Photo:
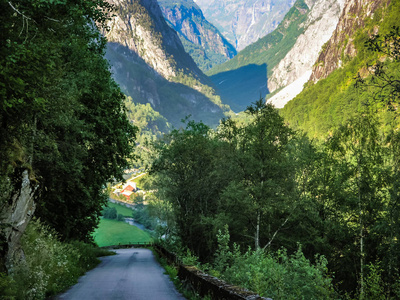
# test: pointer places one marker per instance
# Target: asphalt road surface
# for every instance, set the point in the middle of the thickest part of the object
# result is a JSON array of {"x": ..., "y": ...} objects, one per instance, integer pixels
[{"x": 131, "y": 274}]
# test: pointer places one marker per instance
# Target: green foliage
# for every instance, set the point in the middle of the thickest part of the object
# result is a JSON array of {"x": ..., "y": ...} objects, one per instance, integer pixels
[
  {"x": 189, "y": 259},
  {"x": 151, "y": 126},
  {"x": 110, "y": 213},
  {"x": 374, "y": 286},
  {"x": 142, "y": 215},
  {"x": 276, "y": 275},
  {"x": 264, "y": 182},
  {"x": 276, "y": 189},
  {"x": 61, "y": 109},
  {"x": 7, "y": 287},
  {"x": 49, "y": 266},
  {"x": 388, "y": 86},
  {"x": 240, "y": 176}
]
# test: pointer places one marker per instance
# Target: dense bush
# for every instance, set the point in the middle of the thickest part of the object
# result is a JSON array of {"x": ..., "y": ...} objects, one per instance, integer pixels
[
  {"x": 111, "y": 213},
  {"x": 273, "y": 274},
  {"x": 49, "y": 266}
]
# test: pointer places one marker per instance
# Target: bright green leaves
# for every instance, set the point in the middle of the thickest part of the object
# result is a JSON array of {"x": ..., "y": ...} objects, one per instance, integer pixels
[{"x": 236, "y": 175}]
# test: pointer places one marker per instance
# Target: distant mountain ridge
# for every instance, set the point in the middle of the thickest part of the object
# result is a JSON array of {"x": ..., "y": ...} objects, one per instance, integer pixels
[
  {"x": 201, "y": 39},
  {"x": 140, "y": 26},
  {"x": 150, "y": 64},
  {"x": 243, "y": 22},
  {"x": 288, "y": 54}
]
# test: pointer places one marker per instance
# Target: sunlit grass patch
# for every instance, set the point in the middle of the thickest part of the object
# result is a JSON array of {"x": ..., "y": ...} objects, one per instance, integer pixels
[{"x": 111, "y": 232}]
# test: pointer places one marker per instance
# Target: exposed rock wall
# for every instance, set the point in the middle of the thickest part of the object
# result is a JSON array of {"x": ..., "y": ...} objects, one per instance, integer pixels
[
  {"x": 15, "y": 214},
  {"x": 140, "y": 26},
  {"x": 150, "y": 64},
  {"x": 188, "y": 20},
  {"x": 321, "y": 22},
  {"x": 341, "y": 43}
]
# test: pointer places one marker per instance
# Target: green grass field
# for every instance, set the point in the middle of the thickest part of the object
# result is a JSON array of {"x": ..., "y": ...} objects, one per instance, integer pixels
[
  {"x": 121, "y": 209},
  {"x": 112, "y": 232}
]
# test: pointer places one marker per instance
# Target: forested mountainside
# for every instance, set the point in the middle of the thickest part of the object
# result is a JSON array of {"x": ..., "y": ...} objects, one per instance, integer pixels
[
  {"x": 243, "y": 22},
  {"x": 149, "y": 62},
  {"x": 201, "y": 39},
  {"x": 335, "y": 92},
  {"x": 280, "y": 58}
]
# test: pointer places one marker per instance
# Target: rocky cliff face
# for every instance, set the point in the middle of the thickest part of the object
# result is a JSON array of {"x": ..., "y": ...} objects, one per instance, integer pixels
[
  {"x": 341, "y": 44},
  {"x": 140, "y": 26},
  {"x": 243, "y": 22},
  {"x": 15, "y": 214},
  {"x": 150, "y": 64},
  {"x": 294, "y": 69},
  {"x": 201, "y": 39}
]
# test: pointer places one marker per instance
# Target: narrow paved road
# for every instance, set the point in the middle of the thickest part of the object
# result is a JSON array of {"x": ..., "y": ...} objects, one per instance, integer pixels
[{"x": 131, "y": 274}]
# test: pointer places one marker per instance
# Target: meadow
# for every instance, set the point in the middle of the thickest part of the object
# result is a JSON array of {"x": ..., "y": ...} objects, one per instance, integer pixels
[{"x": 113, "y": 232}]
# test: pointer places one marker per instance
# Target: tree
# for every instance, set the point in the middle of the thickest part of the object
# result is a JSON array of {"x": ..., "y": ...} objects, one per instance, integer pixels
[
  {"x": 386, "y": 82},
  {"x": 186, "y": 178},
  {"x": 265, "y": 179},
  {"x": 62, "y": 108},
  {"x": 358, "y": 193}
]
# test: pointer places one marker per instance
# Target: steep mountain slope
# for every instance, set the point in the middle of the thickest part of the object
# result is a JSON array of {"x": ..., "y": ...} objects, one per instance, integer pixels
[
  {"x": 294, "y": 70},
  {"x": 341, "y": 44},
  {"x": 243, "y": 22},
  {"x": 151, "y": 65},
  {"x": 282, "y": 57},
  {"x": 201, "y": 39},
  {"x": 334, "y": 98}
]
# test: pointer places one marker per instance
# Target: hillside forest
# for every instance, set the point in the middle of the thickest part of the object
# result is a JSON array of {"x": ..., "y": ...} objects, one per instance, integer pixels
[{"x": 265, "y": 206}]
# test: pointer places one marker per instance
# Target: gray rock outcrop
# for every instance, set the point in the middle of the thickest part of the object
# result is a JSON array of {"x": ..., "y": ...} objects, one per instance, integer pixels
[
  {"x": 294, "y": 70},
  {"x": 15, "y": 213}
]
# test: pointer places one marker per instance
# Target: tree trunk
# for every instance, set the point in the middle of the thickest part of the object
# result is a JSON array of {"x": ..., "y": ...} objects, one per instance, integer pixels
[
  {"x": 257, "y": 238},
  {"x": 361, "y": 233}
]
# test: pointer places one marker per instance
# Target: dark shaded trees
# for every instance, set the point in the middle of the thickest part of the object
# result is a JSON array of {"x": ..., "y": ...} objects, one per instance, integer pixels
[{"x": 60, "y": 109}]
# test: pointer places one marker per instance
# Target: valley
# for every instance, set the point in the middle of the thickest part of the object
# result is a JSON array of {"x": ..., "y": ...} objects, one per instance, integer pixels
[{"x": 256, "y": 142}]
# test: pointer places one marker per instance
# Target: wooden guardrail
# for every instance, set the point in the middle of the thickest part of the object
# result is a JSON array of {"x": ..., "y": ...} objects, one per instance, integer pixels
[{"x": 133, "y": 245}]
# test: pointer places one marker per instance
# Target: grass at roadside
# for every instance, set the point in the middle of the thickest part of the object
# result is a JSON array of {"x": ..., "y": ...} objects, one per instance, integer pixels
[
  {"x": 49, "y": 266},
  {"x": 172, "y": 272},
  {"x": 112, "y": 232}
]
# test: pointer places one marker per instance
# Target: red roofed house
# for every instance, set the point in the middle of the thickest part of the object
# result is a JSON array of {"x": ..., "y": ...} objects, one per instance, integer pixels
[{"x": 128, "y": 189}]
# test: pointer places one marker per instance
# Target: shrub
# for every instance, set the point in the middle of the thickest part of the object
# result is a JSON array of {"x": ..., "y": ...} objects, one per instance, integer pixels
[
  {"x": 110, "y": 213},
  {"x": 275, "y": 275},
  {"x": 50, "y": 266},
  {"x": 7, "y": 287}
]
